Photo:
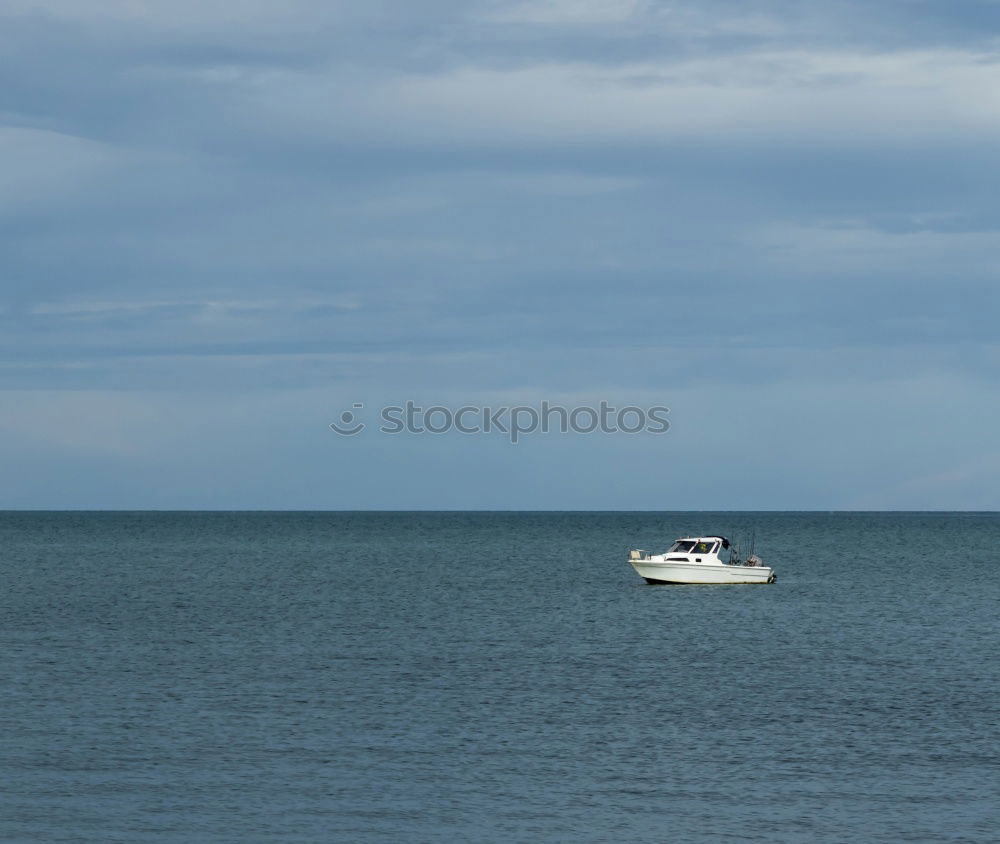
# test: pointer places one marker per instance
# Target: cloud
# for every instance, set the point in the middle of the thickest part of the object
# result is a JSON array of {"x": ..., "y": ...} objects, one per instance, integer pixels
[
  {"x": 38, "y": 166},
  {"x": 566, "y": 11},
  {"x": 776, "y": 206},
  {"x": 187, "y": 14},
  {"x": 804, "y": 442},
  {"x": 829, "y": 98},
  {"x": 852, "y": 249}
]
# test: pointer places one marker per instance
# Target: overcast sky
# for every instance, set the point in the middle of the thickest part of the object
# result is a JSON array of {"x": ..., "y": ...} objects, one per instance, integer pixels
[{"x": 222, "y": 223}]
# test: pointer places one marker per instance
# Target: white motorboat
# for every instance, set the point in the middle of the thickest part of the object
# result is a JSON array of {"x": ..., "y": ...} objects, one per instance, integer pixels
[{"x": 701, "y": 559}]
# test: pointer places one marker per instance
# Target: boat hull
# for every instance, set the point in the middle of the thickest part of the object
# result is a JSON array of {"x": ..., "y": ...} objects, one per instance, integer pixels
[{"x": 678, "y": 572}]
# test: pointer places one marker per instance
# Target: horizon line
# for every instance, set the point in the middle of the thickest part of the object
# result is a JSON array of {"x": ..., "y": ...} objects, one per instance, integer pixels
[{"x": 429, "y": 510}]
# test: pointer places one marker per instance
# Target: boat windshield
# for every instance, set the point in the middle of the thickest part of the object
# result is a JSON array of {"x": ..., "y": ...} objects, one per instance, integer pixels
[
  {"x": 704, "y": 547},
  {"x": 682, "y": 546}
]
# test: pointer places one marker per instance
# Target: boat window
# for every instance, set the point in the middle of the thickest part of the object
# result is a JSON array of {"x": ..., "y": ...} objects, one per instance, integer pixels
[
  {"x": 703, "y": 547},
  {"x": 681, "y": 547}
]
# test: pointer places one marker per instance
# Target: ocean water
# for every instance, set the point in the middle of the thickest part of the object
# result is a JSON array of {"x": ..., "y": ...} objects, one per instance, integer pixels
[{"x": 495, "y": 677}]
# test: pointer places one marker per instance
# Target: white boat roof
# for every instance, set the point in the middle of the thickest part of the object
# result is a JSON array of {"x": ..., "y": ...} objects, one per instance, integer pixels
[{"x": 714, "y": 538}]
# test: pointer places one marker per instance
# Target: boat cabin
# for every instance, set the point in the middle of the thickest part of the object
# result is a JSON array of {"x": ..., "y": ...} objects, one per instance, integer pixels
[{"x": 697, "y": 546}]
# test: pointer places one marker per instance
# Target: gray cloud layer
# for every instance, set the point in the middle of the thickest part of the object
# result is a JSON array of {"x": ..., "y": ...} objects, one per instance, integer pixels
[{"x": 494, "y": 196}]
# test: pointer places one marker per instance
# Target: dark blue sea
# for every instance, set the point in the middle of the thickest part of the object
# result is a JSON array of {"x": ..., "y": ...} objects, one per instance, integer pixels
[{"x": 435, "y": 677}]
